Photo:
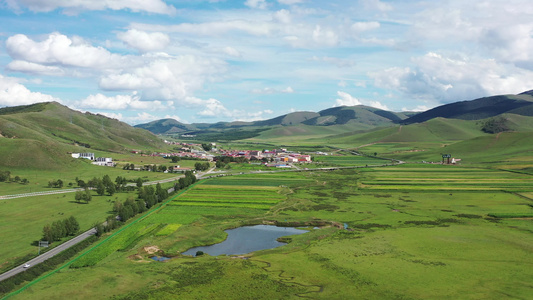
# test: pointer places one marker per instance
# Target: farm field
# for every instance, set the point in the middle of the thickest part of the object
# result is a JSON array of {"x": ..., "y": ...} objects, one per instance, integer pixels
[{"x": 408, "y": 237}]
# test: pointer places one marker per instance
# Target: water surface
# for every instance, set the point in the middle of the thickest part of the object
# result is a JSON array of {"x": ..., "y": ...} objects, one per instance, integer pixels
[{"x": 248, "y": 239}]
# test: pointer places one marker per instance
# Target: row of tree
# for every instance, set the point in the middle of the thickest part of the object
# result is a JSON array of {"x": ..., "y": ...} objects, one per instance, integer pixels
[
  {"x": 201, "y": 166},
  {"x": 5, "y": 176},
  {"x": 60, "y": 229},
  {"x": 55, "y": 183}
]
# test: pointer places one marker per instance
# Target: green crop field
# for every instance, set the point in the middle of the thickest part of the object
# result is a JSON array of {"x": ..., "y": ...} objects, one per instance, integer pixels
[{"x": 401, "y": 232}]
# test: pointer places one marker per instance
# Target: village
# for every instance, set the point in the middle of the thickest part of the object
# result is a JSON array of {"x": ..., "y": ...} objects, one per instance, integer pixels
[{"x": 279, "y": 158}]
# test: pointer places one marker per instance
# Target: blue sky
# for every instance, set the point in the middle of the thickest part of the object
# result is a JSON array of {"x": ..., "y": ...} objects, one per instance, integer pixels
[{"x": 216, "y": 60}]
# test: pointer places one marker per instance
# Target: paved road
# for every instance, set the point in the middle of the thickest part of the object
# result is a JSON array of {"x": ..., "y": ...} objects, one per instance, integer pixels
[{"x": 49, "y": 254}]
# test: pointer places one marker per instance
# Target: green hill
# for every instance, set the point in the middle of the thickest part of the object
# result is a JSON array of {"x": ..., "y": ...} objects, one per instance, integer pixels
[
  {"x": 521, "y": 104},
  {"x": 41, "y": 134},
  {"x": 167, "y": 126}
]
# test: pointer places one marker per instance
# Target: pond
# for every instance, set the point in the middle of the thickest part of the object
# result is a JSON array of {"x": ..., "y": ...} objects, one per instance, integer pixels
[{"x": 248, "y": 239}]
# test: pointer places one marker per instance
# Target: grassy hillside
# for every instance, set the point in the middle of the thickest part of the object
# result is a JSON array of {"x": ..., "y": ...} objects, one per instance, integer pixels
[
  {"x": 482, "y": 108},
  {"x": 39, "y": 135},
  {"x": 168, "y": 126}
]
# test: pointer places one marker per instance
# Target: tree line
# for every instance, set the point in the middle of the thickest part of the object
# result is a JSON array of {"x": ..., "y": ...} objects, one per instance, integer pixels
[
  {"x": 60, "y": 229},
  {"x": 5, "y": 176}
]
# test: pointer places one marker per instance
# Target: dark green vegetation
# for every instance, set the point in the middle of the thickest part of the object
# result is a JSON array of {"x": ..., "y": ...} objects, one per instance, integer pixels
[
  {"x": 483, "y": 108},
  {"x": 413, "y": 232}
]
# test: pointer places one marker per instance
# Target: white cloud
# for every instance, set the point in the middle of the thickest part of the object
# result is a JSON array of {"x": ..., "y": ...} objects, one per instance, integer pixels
[
  {"x": 144, "y": 41},
  {"x": 326, "y": 37},
  {"x": 269, "y": 91},
  {"x": 348, "y": 100},
  {"x": 121, "y": 102},
  {"x": 377, "y": 5},
  {"x": 418, "y": 108},
  {"x": 74, "y": 6},
  {"x": 260, "y": 4},
  {"x": 256, "y": 28},
  {"x": 169, "y": 79},
  {"x": 33, "y": 68},
  {"x": 282, "y": 16},
  {"x": 12, "y": 93},
  {"x": 214, "y": 108},
  {"x": 359, "y": 27},
  {"x": 61, "y": 50},
  {"x": 290, "y": 2},
  {"x": 449, "y": 79},
  {"x": 231, "y": 51}
]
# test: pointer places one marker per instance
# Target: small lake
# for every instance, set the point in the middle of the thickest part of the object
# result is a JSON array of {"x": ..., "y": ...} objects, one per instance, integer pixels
[{"x": 248, "y": 239}]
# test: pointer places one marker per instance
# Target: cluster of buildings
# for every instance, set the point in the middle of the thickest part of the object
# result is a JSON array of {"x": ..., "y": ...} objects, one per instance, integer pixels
[
  {"x": 276, "y": 155},
  {"x": 100, "y": 161}
]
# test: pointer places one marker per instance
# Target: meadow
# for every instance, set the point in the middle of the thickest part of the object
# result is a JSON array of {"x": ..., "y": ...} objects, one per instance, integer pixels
[
  {"x": 413, "y": 232},
  {"x": 38, "y": 179}
]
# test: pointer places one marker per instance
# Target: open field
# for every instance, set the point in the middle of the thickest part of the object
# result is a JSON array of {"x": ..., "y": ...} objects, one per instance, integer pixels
[
  {"x": 38, "y": 179},
  {"x": 408, "y": 237}
]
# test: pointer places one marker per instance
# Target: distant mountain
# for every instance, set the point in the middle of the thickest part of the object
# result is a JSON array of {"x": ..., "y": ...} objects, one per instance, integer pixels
[
  {"x": 521, "y": 104},
  {"x": 167, "y": 126},
  {"x": 47, "y": 131},
  {"x": 362, "y": 117}
]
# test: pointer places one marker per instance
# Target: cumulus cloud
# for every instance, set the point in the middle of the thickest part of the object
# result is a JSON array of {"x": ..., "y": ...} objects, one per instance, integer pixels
[
  {"x": 260, "y": 4},
  {"x": 12, "y": 93},
  {"x": 447, "y": 79},
  {"x": 231, "y": 51},
  {"x": 174, "y": 78},
  {"x": 121, "y": 102},
  {"x": 33, "y": 68},
  {"x": 348, "y": 100},
  {"x": 359, "y": 27},
  {"x": 256, "y": 28},
  {"x": 282, "y": 16},
  {"x": 60, "y": 50},
  {"x": 144, "y": 41},
  {"x": 75, "y": 6}
]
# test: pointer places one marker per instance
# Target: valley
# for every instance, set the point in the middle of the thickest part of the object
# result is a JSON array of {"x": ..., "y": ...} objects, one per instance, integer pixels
[{"x": 386, "y": 219}]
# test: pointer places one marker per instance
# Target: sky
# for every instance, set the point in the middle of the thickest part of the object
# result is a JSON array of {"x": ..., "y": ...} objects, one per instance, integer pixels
[{"x": 223, "y": 60}]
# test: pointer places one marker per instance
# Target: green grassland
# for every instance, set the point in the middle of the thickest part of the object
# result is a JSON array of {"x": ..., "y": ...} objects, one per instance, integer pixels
[
  {"x": 414, "y": 232},
  {"x": 82, "y": 169}
]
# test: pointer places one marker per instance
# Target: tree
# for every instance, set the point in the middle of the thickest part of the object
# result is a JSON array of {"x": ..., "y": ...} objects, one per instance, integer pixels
[
  {"x": 496, "y": 125},
  {"x": 79, "y": 196},
  {"x": 25, "y": 181},
  {"x": 5, "y": 176},
  {"x": 111, "y": 189},
  {"x": 100, "y": 189},
  {"x": 47, "y": 234},
  {"x": 207, "y": 146},
  {"x": 139, "y": 182},
  {"x": 87, "y": 196},
  {"x": 175, "y": 159},
  {"x": 58, "y": 230},
  {"x": 71, "y": 226},
  {"x": 117, "y": 206}
]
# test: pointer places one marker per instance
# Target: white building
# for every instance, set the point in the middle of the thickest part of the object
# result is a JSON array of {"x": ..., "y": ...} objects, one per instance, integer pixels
[{"x": 84, "y": 155}]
